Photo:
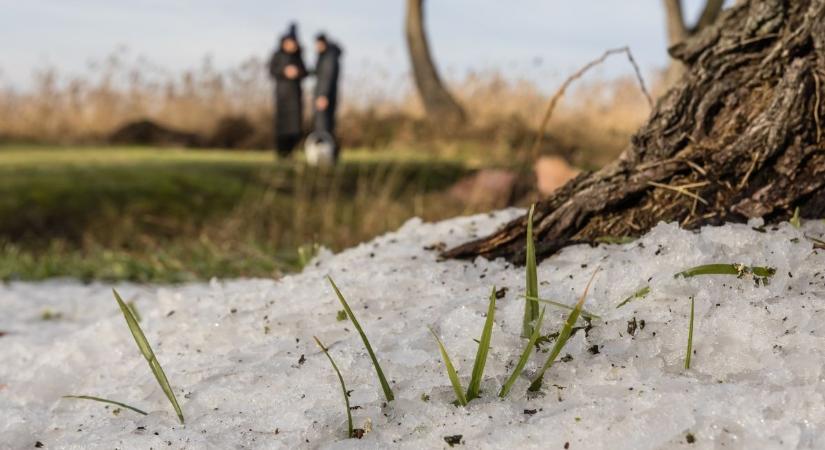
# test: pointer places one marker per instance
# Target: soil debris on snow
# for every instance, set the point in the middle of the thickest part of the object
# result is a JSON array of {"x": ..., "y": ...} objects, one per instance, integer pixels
[{"x": 754, "y": 381}]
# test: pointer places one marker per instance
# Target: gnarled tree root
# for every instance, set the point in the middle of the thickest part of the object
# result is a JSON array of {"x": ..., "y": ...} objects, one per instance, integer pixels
[{"x": 740, "y": 136}]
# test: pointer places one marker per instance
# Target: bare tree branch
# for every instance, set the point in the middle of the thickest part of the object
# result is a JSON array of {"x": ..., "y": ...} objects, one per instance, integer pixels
[
  {"x": 677, "y": 30},
  {"x": 709, "y": 14},
  {"x": 551, "y": 106}
]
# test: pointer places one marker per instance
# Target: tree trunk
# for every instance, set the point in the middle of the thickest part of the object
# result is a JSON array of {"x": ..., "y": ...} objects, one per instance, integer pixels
[
  {"x": 439, "y": 104},
  {"x": 740, "y": 136},
  {"x": 678, "y": 30}
]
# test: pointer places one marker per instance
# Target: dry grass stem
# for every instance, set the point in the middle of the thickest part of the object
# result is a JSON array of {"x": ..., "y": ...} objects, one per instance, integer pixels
[{"x": 551, "y": 106}]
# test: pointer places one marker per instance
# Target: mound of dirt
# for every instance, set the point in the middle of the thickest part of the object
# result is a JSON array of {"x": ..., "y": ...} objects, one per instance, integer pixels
[
  {"x": 149, "y": 132},
  {"x": 233, "y": 132}
]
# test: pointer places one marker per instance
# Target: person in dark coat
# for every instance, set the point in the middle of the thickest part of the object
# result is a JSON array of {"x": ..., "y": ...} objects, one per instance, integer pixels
[
  {"x": 325, "y": 96},
  {"x": 287, "y": 69}
]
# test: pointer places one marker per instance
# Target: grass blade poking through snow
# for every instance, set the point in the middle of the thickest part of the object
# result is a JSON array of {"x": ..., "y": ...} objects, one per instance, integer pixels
[
  {"x": 586, "y": 314},
  {"x": 564, "y": 336},
  {"x": 451, "y": 373},
  {"x": 147, "y": 352},
  {"x": 343, "y": 386},
  {"x": 641, "y": 293},
  {"x": 483, "y": 349},
  {"x": 614, "y": 240},
  {"x": 383, "y": 380},
  {"x": 531, "y": 308},
  {"x": 795, "y": 221},
  {"x": 525, "y": 356},
  {"x": 133, "y": 307},
  {"x": 690, "y": 337},
  {"x": 103, "y": 400},
  {"x": 727, "y": 269}
]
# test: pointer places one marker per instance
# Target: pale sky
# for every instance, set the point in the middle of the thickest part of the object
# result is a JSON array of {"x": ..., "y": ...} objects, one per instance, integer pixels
[{"x": 540, "y": 40}]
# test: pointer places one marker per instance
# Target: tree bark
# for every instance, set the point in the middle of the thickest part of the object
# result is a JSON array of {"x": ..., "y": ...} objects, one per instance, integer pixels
[
  {"x": 678, "y": 30},
  {"x": 740, "y": 136},
  {"x": 439, "y": 104}
]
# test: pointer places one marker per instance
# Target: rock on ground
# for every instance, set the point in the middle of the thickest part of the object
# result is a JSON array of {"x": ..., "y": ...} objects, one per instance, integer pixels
[
  {"x": 552, "y": 172},
  {"x": 243, "y": 364},
  {"x": 487, "y": 188}
]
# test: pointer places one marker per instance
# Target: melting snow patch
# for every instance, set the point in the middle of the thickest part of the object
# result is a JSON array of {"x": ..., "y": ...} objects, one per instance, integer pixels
[{"x": 241, "y": 359}]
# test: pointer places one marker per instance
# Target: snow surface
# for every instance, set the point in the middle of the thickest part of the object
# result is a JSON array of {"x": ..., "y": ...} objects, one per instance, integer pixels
[{"x": 242, "y": 361}]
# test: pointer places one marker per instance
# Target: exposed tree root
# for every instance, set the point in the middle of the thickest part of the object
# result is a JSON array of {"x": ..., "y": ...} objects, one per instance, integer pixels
[{"x": 740, "y": 136}]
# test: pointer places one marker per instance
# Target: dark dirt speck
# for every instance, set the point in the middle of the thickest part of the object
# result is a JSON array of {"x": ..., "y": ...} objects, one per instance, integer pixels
[
  {"x": 593, "y": 349},
  {"x": 453, "y": 440},
  {"x": 631, "y": 327}
]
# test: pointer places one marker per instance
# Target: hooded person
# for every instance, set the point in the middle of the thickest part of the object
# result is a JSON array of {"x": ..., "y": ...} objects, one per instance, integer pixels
[
  {"x": 325, "y": 96},
  {"x": 287, "y": 68}
]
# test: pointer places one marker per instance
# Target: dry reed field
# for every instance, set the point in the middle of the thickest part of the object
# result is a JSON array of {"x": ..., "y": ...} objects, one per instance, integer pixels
[{"x": 589, "y": 127}]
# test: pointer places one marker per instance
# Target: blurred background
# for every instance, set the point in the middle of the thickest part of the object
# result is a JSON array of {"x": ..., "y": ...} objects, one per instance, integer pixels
[{"x": 136, "y": 137}]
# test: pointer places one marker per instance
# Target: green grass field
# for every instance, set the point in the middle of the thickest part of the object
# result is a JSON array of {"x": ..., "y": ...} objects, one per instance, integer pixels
[{"x": 167, "y": 215}]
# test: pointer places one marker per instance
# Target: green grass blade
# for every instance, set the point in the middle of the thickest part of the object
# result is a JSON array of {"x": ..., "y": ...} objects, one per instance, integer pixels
[
  {"x": 641, "y": 293},
  {"x": 133, "y": 307},
  {"x": 585, "y": 313},
  {"x": 762, "y": 271},
  {"x": 383, "y": 380},
  {"x": 103, "y": 400},
  {"x": 727, "y": 269},
  {"x": 483, "y": 349},
  {"x": 690, "y": 336},
  {"x": 564, "y": 336},
  {"x": 146, "y": 350},
  {"x": 305, "y": 254},
  {"x": 451, "y": 373},
  {"x": 531, "y": 309},
  {"x": 795, "y": 220},
  {"x": 525, "y": 356},
  {"x": 343, "y": 386},
  {"x": 710, "y": 269}
]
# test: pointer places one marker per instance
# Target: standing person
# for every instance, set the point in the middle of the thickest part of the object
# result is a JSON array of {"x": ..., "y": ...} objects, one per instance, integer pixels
[
  {"x": 325, "y": 98},
  {"x": 287, "y": 69}
]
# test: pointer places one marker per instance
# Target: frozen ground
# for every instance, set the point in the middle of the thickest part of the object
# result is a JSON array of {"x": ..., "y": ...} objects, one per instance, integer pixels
[{"x": 248, "y": 375}]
